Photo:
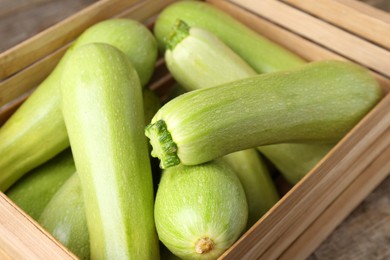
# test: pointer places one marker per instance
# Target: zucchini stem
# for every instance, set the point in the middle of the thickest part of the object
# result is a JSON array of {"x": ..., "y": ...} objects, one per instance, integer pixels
[
  {"x": 179, "y": 32},
  {"x": 204, "y": 245},
  {"x": 163, "y": 145}
]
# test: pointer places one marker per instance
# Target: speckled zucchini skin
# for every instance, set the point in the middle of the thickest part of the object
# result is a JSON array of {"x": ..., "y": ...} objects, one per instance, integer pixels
[
  {"x": 319, "y": 102},
  {"x": 201, "y": 210},
  {"x": 103, "y": 111},
  {"x": 36, "y": 131}
]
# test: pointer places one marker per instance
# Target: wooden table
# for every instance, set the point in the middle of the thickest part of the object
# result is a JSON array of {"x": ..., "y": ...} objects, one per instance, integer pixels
[{"x": 365, "y": 234}]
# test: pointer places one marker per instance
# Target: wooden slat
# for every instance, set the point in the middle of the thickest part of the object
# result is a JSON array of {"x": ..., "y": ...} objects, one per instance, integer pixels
[
  {"x": 320, "y": 206},
  {"x": 56, "y": 36},
  {"x": 322, "y": 33},
  {"x": 319, "y": 230},
  {"x": 346, "y": 16},
  {"x": 146, "y": 10},
  {"x": 22, "y": 238},
  {"x": 304, "y": 48}
]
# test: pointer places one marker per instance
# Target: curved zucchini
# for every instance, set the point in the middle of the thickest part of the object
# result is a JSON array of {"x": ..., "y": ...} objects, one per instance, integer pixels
[
  {"x": 259, "y": 52},
  {"x": 32, "y": 192},
  {"x": 102, "y": 108},
  {"x": 200, "y": 210},
  {"x": 197, "y": 59},
  {"x": 64, "y": 218},
  {"x": 36, "y": 131},
  {"x": 318, "y": 102}
]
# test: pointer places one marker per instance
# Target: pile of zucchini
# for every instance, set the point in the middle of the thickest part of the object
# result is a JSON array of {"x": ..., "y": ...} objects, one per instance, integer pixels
[{"x": 78, "y": 154}]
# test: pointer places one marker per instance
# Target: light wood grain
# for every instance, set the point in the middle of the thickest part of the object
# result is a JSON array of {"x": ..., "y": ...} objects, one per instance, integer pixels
[
  {"x": 37, "y": 47},
  {"x": 346, "y": 16},
  {"x": 322, "y": 33},
  {"x": 359, "y": 189},
  {"x": 21, "y": 237}
]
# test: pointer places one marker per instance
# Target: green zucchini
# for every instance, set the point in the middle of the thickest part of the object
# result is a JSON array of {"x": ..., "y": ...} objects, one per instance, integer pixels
[
  {"x": 294, "y": 161},
  {"x": 260, "y": 191},
  {"x": 197, "y": 59},
  {"x": 102, "y": 108},
  {"x": 36, "y": 131},
  {"x": 32, "y": 192},
  {"x": 64, "y": 218},
  {"x": 200, "y": 210},
  {"x": 259, "y": 52},
  {"x": 319, "y": 102},
  {"x": 151, "y": 104}
]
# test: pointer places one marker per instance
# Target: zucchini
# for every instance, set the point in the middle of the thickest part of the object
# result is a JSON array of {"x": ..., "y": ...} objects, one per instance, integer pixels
[
  {"x": 259, "y": 52},
  {"x": 294, "y": 161},
  {"x": 33, "y": 192},
  {"x": 36, "y": 131},
  {"x": 151, "y": 104},
  {"x": 64, "y": 218},
  {"x": 197, "y": 59},
  {"x": 260, "y": 191},
  {"x": 64, "y": 215},
  {"x": 200, "y": 210},
  {"x": 318, "y": 102},
  {"x": 102, "y": 108}
]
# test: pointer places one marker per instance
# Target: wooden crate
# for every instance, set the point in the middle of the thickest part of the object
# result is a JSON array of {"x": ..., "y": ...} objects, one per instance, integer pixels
[{"x": 309, "y": 212}]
